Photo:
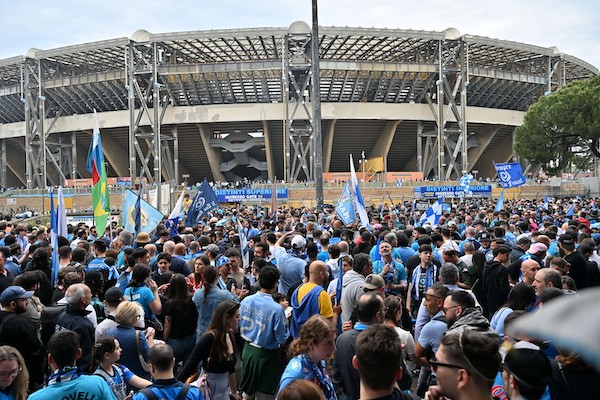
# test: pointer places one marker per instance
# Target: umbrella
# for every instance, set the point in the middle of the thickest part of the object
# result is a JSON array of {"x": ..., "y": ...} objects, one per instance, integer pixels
[{"x": 570, "y": 322}]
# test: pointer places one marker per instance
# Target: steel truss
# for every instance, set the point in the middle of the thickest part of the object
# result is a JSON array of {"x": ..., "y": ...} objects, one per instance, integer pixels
[
  {"x": 148, "y": 99},
  {"x": 42, "y": 111},
  {"x": 299, "y": 121},
  {"x": 443, "y": 152}
]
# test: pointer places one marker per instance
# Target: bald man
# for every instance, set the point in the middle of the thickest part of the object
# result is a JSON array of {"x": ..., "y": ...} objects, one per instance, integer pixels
[
  {"x": 178, "y": 264},
  {"x": 310, "y": 298},
  {"x": 528, "y": 270}
]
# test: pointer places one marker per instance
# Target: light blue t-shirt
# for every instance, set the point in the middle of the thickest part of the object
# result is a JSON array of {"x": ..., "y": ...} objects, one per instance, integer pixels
[
  {"x": 142, "y": 295},
  {"x": 84, "y": 387},
  {"x": 263, "y": 322},
  {"x": 432, "y": 333}
]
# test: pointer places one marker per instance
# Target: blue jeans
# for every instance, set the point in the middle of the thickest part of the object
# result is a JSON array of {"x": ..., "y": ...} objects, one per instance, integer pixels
[{"x": 182, "y": 348}]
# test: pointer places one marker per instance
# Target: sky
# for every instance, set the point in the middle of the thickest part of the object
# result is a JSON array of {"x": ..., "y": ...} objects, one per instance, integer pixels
[{"x": 570, "y": 25}]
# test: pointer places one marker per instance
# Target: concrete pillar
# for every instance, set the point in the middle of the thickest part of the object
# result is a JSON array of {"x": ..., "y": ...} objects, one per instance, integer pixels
[
  {"x": 385, "y": 139},
  {"x": 214, "y": 157},
  {"x": 269, "y": 151},
  {"x": 328, "y": 145}
]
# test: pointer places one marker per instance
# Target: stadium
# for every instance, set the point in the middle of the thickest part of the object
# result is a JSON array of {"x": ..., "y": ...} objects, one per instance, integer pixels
[{"x": 229, "y": 104}]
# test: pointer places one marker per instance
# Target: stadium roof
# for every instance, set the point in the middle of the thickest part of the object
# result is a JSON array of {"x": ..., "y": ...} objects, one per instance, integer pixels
[{"x": 239, "y": 66}]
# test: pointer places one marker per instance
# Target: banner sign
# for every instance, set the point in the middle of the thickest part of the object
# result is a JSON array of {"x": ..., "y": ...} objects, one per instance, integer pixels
[
  {"x": 434, "y": 192},
  {"x": 242, "y": 195},
  {"x": 510, "y": 175}
]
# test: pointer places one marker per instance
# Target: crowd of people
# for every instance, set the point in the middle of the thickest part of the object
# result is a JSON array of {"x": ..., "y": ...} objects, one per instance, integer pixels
[{"x": 296, "y": 305}]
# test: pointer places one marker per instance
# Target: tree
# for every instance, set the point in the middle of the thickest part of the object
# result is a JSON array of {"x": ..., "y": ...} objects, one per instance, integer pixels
[{"x": 562, "y": 128}]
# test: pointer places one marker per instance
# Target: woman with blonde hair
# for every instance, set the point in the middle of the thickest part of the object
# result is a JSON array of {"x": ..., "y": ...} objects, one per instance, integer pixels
[
  {"x": 310, "y": 353},
  {"x": 14, "y": 377},
  {"x": 135, "y": 344}
]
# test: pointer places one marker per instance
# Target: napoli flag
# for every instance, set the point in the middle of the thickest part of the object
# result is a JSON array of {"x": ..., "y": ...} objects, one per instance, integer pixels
[
  {"x": 345, "y": 206},
  {"x": 205, "y": 201},
  {"x": 433, "y": 214},
  {"x": 510, "y": 175}
]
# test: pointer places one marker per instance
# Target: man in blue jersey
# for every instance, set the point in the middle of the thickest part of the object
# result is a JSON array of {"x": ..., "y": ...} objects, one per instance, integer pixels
[
  {"x": 161, "y": 362},
  {"x": 290, "y": 263},
  {"x": 98, "y": 264},
  {"x": 263, "y": 326},
  {"x": 67, "y": 381}
]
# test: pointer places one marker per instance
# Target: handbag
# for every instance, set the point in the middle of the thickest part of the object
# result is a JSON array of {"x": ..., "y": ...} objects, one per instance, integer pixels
[
  {"x": 199, "y": 379},
  {"x": 143, "y": 362}
]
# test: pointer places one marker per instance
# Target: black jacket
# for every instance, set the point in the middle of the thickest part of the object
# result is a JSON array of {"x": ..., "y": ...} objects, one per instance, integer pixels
[
  {"x": 75, "y": 320},
  {"x": 495, "y": 285},
  {"x": 20, "y": 333}
]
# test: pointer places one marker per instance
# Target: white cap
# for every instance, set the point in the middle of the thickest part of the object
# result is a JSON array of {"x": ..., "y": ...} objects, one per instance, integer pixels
[{"x": 298, "y": 242}]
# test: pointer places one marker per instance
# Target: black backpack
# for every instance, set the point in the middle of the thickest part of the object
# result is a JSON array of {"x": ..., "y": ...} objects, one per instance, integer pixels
[{"x": 48, "y": 320}]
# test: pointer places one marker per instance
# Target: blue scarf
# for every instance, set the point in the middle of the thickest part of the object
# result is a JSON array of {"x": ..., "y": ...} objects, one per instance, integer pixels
[
  {"x": 430, "y": 278},
  {"x": 320, "y": 372},
  {"x": 298, "y": 254},
  {"x": 64, "y": 375}
]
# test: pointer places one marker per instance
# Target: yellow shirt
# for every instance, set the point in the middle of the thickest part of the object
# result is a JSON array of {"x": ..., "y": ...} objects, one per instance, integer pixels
[{"x": 325, "y": 306}]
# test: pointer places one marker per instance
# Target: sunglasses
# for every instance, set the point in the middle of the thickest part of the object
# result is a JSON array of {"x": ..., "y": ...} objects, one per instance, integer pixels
[{"x": 436, "y": 364}]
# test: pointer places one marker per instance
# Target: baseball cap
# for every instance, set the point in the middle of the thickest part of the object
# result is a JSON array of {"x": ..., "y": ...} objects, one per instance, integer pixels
[
  {"x": 537, "y": 248},
  {"x": 13, "y": 293},
  {"x": 113, "y": 295},
  {"x": 213, "y": 248},
  {"x": 298, "y": 242},
  {"x": 528, "y": 365},
  {"x": 373, "y": 281},
  {"x": 567, "y": 240}
]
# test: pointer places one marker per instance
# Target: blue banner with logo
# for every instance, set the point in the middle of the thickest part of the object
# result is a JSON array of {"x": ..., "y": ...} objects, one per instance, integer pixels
[
  {"x": 345, "y": 206},
  {"x": 510, "y": 175},
  {"x": 204, "y": 202},
  {"x": 434, "y": 192},
  {"x": 242, "y": 195}
]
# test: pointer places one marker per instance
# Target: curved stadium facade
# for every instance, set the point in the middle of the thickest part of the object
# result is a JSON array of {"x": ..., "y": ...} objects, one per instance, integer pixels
[{"x": 226, "y": 104}]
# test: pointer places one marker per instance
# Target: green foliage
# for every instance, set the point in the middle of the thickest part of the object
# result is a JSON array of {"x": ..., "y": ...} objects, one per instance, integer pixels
[{"x": 560, "y": 128}]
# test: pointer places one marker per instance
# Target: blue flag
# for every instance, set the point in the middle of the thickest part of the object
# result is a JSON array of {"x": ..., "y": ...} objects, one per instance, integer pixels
[
  {"x": 205, "y": 201},
  {"x": 377, "y": 255},
  {"x": 510, "y": 175},
  {"x": 148, "y": 217},
  {"x": 546, "y": 203},
  {"x": 345, "y": 206},
  {"x": 571, "y": 211},
  {"x": 340, "y": 283},
  {"x": 359, "y": 203},
  {"x": 433, "y": 214},
  {"x": 500, "y": 203},
  {"x": 137, "y": 212},
  {"x": 53, "y": 239},
  {"x": 175, "y": 216}
]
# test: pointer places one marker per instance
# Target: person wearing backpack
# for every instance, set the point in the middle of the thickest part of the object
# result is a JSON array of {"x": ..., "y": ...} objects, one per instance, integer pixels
[
  {"x": 107, "y": 352},
  {"x": 161, "y": 361}
]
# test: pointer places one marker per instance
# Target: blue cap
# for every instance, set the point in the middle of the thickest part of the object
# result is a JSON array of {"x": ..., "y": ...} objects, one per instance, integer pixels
[{"x": 13, "y": 293}]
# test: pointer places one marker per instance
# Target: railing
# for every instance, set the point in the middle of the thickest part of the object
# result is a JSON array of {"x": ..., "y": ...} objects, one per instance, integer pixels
[{"x": 86, "y": 190}]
